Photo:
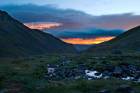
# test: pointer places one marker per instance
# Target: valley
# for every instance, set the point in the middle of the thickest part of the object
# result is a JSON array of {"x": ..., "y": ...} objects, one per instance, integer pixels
[
  {"x": 67, "y": 73},
  {"x": 54, "y": 50}
]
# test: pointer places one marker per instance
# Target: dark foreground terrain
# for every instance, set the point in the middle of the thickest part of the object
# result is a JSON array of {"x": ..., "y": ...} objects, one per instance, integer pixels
[{"x": 71, "y": 74}]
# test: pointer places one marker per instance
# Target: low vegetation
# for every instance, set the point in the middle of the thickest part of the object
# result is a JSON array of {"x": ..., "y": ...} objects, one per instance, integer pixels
[{"x": 26, "y": 75}]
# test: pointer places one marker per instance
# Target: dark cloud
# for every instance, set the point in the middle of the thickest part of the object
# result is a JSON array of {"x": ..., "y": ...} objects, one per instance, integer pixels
[
  {"x": 47, "y": 13},
  {"x": 76, "y": 24},
  {"x": 122, "y": 21},
  {"x": 71, "y": 18}
]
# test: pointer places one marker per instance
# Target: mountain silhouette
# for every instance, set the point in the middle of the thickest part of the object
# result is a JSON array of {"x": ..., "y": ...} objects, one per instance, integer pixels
[
  {"x": 129, "y": 41},
  {"x": 18, "y": 40}
]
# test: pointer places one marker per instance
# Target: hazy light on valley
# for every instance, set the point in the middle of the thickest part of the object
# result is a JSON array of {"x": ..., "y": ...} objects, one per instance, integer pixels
[{"x": 87, "y": 41}]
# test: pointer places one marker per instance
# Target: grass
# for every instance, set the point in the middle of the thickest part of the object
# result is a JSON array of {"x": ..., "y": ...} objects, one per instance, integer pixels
[{"x": 28, "y": 74}]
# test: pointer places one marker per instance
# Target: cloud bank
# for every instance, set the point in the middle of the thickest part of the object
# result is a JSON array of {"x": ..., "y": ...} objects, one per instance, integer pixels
[
  {"x": 71, "y": 18},
  {"x": 77, "y": 26}
]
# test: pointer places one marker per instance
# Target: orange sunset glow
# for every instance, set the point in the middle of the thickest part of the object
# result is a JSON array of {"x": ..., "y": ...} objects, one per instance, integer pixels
[
  {"x": 42, "y": 25},
  {"x": 87, "y": 41}
]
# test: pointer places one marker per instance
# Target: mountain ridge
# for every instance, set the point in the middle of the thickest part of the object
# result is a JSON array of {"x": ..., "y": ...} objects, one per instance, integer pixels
[
  {"x": 18, "y": 40},
  {"x": 129, "y": 41}
]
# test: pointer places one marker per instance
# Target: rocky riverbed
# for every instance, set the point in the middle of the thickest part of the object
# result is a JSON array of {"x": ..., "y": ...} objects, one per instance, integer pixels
[
  {"x": 62, "y": 71},
  {"x": 71, "y": 74}
]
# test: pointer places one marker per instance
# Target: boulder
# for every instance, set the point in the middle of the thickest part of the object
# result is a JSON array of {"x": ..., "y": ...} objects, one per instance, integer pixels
[{"x": 117, "y": 71}]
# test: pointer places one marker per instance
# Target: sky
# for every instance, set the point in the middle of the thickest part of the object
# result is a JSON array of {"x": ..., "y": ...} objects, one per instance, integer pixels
[
  {"x": 94, "y": 7},
  {"x": 76, "y": 21}
]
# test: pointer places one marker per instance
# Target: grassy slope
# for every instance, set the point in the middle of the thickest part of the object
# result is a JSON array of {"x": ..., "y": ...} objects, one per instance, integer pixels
[
  {"x": 25, "y": 75},
  {"x": 127, "y": 42},
  {"x": 18, "y": 40}
]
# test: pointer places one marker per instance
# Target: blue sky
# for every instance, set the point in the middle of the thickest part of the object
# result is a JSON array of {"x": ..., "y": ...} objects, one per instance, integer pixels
[{"x": 94, "y": 7}]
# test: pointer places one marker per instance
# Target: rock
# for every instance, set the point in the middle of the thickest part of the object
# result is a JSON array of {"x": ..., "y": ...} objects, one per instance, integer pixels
[
  {"x": 104, "y": 91},
  {"x": 107, "y": 73},
  {"x": 77, "y": 77},
  {"x": 124, "y": 68},
  {"x": 82, "y": 67},
  {"x": 125, "y": 89},
  {"x": 93, "y": 74},
  {"x": 128, "y": 78},
  {"x": 117, "y": 71},
  {"x": 51, "y": 70},
  {"x": 132, "y": 68},
  {"x": 137, "y": 77}
]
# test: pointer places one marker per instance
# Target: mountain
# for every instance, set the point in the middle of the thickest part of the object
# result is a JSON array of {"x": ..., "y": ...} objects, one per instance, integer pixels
[
  {"x": 84, "y": 32},
  {"x": 126, "y": 42},
  {"x": 18, "y": 40}
]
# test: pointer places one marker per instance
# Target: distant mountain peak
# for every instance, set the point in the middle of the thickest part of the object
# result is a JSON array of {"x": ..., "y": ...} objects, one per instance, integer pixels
[
  {"x": 3, "y": 15},
  {"x": 3, "y": 12}
]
